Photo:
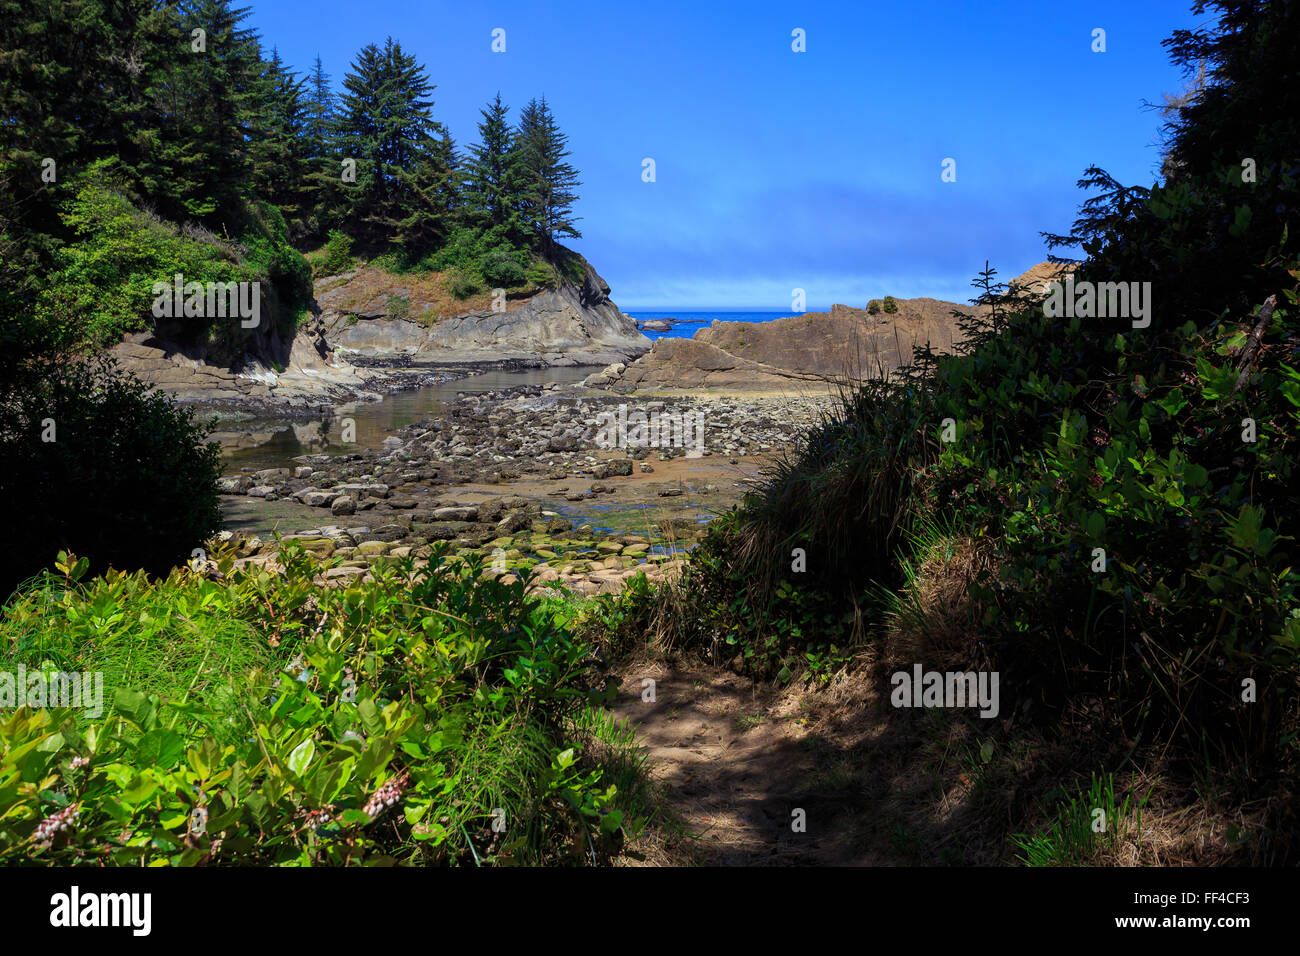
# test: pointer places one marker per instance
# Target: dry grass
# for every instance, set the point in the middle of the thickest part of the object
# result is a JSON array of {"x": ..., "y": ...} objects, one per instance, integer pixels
[
  {"x": 936, "y": 621},
  {"x": 428, "y": 293}
]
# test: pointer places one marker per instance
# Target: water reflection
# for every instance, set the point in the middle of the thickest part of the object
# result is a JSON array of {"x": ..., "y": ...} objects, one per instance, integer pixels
[{"x": 271, "y": 442}]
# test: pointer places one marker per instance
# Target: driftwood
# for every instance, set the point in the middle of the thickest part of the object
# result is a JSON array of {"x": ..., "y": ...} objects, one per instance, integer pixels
[{"x": 1251, "y": 347}]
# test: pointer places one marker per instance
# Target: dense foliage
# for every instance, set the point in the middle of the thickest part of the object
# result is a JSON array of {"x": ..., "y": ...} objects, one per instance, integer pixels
[
  {"x": 95, "y": 461},
  {"x": 430, "y": 716}
]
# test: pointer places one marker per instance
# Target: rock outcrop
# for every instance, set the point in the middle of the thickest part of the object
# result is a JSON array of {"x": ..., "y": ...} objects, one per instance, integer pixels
[
  {"x": 844, "y": 343},
  {"x": 372, "y": 317},
  {"x": 816, "y": 346},
  {"x": 362, "y": 321},
  {"x": 300, "y": 372}
]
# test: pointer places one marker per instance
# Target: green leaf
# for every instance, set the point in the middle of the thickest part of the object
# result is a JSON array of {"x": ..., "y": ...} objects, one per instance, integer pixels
[
  {"x": 161, "y": 748},
  {"x": 371, "y": 719},
  {"x": 301, "y": 756},
  {"x": 130, "y": 703}
]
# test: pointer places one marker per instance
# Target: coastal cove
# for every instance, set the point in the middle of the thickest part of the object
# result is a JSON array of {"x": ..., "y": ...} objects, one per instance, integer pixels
[
  {"x": 359, "y": 519},
  {"x": 516, "y": 473}
]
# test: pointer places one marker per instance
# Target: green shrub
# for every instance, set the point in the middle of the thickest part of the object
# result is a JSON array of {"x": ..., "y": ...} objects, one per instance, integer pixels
[
  {"x": 338, "y": 254},
  {"x": 398, "y": 721},
  {"x": 462, "y": 286},
  {"x": 501, "y": 268},
  {"x": 873, "y": 307},
  {"x": 124, "y": 478},
  {"x": 462, "y": 250},
  {"x": 101, "y": 283},
  {"x": 890, "y": 305}
]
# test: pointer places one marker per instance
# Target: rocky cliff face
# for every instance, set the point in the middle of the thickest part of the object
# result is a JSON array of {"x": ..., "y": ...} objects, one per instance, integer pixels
[
  {"x": 361, "y": 321},
  {"x": 571, "y": 325},
  {"x": 300, "y": 371}
]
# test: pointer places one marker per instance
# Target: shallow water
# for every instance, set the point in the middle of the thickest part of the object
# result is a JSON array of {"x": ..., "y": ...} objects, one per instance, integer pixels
[{"x": 273, "y": 443}]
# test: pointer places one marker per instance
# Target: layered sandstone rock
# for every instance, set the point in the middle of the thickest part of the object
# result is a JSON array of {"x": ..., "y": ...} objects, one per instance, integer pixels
[
  {"x": 575, "y": 324},
  {"x": 844, "y": 343}
]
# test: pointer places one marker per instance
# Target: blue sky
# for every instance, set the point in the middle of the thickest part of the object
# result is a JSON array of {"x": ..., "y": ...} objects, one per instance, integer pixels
[{"x": 778, "y": 170}]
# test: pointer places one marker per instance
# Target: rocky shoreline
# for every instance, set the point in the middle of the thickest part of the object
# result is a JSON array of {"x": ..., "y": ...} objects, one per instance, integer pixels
[{"x": 493, "y": 476}]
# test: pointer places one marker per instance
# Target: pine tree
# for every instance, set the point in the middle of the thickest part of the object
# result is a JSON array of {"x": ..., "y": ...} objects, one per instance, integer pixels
[
  {"x": 549, "y": 184},
  {"x": 493, "y": 183},
  {"x": 386, "y": 125},
  {"x": 281, "y": 142}
]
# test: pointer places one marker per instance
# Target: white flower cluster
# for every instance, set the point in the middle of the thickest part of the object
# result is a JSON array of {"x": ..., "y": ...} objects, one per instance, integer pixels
[{"x": 55, "y": 823}]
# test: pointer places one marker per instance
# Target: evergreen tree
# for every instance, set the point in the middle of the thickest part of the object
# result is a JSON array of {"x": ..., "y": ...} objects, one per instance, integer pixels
[
  {"x": 431, "y": 196},
  {"x": 74, "y": 81},
  {"x": 549, "y": 184},
  {"x": 209, "y": 100},
  {"x": 493, "y": 183},
  {"x": 386, "y": 125},
  {"x": 320, "y": 111},
  {"x": 324, "y": 187},
  {"x": 280, "y": 147}
]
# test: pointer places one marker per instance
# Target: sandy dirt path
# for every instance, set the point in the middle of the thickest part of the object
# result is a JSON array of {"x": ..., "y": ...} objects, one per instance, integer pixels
[{"x": 739, "y": 764}]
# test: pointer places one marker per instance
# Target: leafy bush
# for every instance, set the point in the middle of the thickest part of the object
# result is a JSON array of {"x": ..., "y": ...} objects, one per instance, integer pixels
[
  {"x": 890, "y": 305},
  {"x": 101, "y": 283},
  {"x": 462, "y": 250},
  {"x": 103, "y": 280},
  {"x": 96, "y": 463},
  {"x": 402, "y": 719},
  {"x": 502, "y": 269},
  {"x": 873, "y": 307}
]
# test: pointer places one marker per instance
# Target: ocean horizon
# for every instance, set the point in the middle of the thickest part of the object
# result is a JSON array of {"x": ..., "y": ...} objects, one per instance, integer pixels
[{"x": 688, "y": 321}]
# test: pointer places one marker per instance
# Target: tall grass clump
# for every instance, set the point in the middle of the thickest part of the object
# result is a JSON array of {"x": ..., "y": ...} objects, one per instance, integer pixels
[{"x": 1088, "y": 824}]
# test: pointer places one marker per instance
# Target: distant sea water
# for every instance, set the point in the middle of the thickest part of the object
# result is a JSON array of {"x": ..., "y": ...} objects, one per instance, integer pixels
[{"x": 688, "y": 322}]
